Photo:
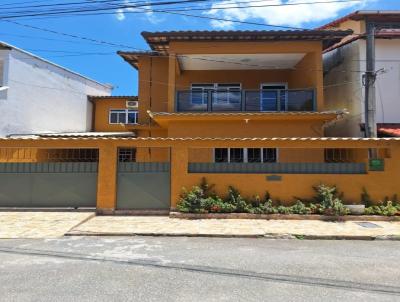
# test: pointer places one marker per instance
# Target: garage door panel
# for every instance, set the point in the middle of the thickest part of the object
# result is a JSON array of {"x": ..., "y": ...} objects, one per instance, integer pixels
[
  {"x": 144, "y": 190},
  {"x": 67, "y": 184},
  {"x": 15, "y": 190},
  {"x": 59, "y": 190}
]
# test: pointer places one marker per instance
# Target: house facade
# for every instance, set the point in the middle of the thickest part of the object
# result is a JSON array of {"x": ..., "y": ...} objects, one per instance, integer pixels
[
  {"x": 240, "y": 108},
  {"x": 345, "y": 64},
  {"x": 42, "y": 97}
]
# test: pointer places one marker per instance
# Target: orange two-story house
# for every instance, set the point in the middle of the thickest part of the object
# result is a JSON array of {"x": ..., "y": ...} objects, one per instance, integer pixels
[
  {"x": 240, "y": 108},
  {"x": 230, "y": 84}
]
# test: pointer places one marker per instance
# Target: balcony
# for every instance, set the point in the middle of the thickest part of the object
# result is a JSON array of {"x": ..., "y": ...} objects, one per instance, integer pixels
[{"x": 246, "y": 100}]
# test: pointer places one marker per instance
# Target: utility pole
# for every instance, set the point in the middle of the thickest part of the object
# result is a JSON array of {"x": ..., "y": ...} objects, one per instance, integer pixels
[{"x": 369, "y": 83}]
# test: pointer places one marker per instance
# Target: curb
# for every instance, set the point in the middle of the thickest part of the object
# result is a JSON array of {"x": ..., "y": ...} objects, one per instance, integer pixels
[
  {"x": 81, "y": 222},
  {"x": 264, "y": 236},
  {"x": 192, "y": 216}
]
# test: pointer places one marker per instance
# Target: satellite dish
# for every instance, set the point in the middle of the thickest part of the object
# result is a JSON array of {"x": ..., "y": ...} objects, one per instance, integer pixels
[{"x": 2, "y": 88}]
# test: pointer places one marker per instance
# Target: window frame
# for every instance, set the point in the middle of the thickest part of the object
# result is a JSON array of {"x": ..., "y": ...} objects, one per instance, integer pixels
[
  {"x": 214, "y": 87},
  {"x": 245, "y": 155},
  {"x": 126, "y": 112},
  {"x": 129, "y": 158},
  {"x": 264, "y": 88}
]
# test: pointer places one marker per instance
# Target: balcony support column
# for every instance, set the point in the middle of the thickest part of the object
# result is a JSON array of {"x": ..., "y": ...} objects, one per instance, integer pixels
[{"x": 172, "y": 72}]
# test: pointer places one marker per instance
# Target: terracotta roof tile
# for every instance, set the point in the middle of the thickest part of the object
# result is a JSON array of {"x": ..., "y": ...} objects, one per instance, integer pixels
[
  {"x": 208, "y": 138},
  {"x": 389, "y": 129}
]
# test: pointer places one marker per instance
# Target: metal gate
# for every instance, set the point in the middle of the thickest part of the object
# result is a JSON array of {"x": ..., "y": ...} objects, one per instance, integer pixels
[
  {"x": 143, "y": 185},
  {"x": 50, "y": 184}
]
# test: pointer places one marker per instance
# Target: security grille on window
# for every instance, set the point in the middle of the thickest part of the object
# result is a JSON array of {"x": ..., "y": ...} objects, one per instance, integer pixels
[
  {"x": 127, "y": 155},
  {"x": 269, "y": 155},
  {"x": 236, "y": 155},
  {"x": 338, "y": 155},
  {"x": 123, "y": 116},
  {"x": 221, "y": 155},
  {"x": 246, "y": 155}
]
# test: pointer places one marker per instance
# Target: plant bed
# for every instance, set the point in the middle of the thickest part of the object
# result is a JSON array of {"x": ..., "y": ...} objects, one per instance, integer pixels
[
  {"x": 282, "y": 216},
  {"x": 202, "y": 202}
]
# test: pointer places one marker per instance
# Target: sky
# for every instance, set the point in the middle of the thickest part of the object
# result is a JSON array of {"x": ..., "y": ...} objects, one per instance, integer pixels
[{"x": 123, "y": 27}]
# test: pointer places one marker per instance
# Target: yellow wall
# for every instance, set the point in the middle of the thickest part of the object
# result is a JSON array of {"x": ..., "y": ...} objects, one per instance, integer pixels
[
  {"x": 252, "y": 128},
  {"x": 378, "y": 184},
  {"x": 101, "y": 115}
]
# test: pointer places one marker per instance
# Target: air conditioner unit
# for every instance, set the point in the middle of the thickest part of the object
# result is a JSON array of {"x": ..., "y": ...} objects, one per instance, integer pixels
[{"x": 132, "y": 104}]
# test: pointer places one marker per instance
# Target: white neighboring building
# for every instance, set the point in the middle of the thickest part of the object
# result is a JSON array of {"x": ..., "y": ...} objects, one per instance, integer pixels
[
  {"x": 37, "y": 96},
  {"x": 345, "y": 63}
]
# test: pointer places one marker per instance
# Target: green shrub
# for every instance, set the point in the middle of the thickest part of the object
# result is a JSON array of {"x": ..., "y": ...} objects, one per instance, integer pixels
[
  {"x": 217, "y": 205},
  {"x": 300, "y": 208},
  {"x": 255, "y": 202},
  {"x": 366, "y": 198},
  {"x": 191, "y": 201},
  {"x": 202, "y": 199},
  {"x": 208, "y": 190},
  {"x": 330, "y": 201},
  {"x": 235, "y": 199},
  {"x": 316, "y": 208},
  {"x": 284, "y": 210},
  {"x": 387, "y": 209},
  {"x": 268, "y": 207}
]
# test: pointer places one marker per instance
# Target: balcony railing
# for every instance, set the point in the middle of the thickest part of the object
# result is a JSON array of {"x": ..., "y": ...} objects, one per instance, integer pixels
[{"x": 245, "y": 100}]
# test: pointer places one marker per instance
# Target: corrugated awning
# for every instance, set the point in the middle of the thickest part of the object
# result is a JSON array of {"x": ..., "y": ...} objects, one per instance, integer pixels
[{"x": 76, "y": 135}]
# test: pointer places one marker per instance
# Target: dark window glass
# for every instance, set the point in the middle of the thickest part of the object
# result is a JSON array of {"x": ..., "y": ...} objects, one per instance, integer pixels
[
  {"x": 221, "y": 155},
  {"x": 122, "y": 117},
  {"x": 269, "y": 155},
  {"x": 254, "y": 155},
  {"x": 132, "y": 117},
  {"x": 114, "y": 117},
  {"x": 127, "y": 155},
  {"x": 236, "y": 155}
]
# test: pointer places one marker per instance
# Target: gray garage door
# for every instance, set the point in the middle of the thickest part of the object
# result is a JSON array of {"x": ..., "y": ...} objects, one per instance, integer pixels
[
  {"x": 143, "y": 186},
  {"x": 66, "y": 184}
]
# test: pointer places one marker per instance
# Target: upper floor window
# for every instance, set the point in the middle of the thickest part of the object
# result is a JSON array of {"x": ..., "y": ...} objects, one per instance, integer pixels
[{"x": 123, "y": 116}]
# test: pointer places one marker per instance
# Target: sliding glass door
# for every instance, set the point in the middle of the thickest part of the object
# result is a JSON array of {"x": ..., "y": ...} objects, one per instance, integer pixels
[{"x": 270, "y": 94}]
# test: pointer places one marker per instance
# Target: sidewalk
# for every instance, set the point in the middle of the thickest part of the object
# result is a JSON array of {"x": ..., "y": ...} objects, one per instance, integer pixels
[
  {"x": 302, "y": 229},
  {"x": 29, "y": 224}
]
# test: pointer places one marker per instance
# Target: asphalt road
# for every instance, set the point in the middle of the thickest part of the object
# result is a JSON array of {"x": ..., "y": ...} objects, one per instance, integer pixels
[{"x": 198, "y": 269}]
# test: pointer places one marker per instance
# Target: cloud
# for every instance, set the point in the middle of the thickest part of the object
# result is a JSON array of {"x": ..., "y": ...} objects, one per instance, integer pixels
[
  {"x": 289, "y": 15},
  {"x": 146, "y": 10}
]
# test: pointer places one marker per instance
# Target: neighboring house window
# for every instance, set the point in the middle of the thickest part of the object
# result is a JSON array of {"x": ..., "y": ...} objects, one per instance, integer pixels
[
  {"x": 246, "y": 155},
  {"x": 127, "y": 154},
  {"x": 123, "y": 116}
]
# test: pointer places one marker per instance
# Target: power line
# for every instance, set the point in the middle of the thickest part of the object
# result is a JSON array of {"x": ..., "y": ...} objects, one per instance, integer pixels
[
  {"x": 165, "y": 55},
  {"x": 80, "y": 10}
]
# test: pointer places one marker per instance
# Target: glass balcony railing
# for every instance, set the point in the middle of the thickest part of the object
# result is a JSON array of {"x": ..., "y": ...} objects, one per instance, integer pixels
[{"x": 246, "y": 100}]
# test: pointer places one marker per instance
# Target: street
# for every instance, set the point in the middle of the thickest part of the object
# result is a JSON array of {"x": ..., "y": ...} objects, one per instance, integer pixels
[{"x": 198, "y": 269}]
